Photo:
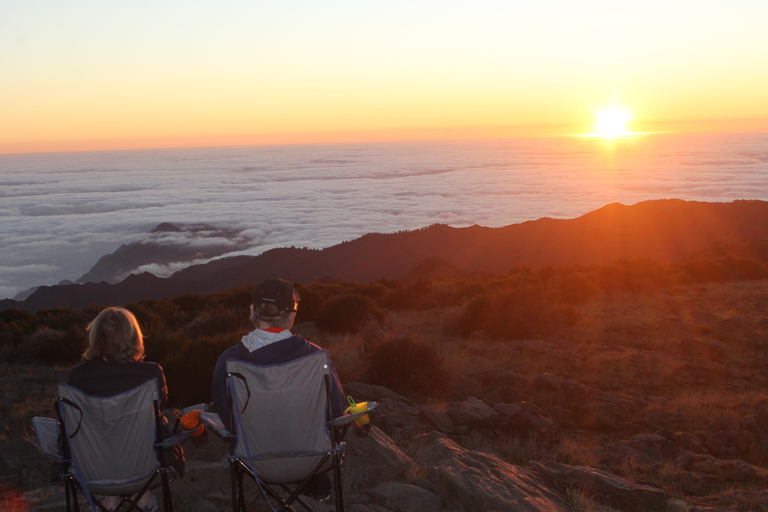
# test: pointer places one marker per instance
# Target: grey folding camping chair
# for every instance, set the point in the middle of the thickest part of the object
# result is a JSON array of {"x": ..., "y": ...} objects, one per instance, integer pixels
[
  {"x": 282, "y": 435},
  {"x": 110, "y": 444}
]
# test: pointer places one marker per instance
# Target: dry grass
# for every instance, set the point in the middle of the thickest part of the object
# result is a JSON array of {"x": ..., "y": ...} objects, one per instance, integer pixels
[
  {"x": 684, "y": 355},
  {"x": 26, "y": 392},
  {"x": 581, "y": 501}
]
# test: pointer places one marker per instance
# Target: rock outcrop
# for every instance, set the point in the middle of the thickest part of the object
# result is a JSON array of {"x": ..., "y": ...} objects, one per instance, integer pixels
[
  {"x": 483, "y": 480},
  {"x": 606, "y": 487}
]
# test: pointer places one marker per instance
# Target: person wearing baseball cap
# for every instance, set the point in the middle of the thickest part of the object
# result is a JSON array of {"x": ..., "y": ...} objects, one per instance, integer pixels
[{"x": 273, "y": 312}]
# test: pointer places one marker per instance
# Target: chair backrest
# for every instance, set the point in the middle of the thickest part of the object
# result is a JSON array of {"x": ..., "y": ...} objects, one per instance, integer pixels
[
  {"x": 280, "y": 413},
  {"x": 111, "y": 438}
]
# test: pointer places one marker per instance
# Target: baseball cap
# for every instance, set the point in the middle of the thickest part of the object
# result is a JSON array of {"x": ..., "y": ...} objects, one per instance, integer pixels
[{"x": 278, "y": 292}]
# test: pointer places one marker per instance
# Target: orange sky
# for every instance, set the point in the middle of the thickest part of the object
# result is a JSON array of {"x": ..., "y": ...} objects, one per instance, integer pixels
[{"x": 106, "y": 76}]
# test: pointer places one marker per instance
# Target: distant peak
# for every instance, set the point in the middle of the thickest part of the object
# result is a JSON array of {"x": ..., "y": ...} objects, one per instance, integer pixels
[{"x": 166, "y": 227}]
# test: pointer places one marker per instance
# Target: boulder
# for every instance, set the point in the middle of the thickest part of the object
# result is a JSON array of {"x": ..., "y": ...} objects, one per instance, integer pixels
[
  {"x": 509, "y": 410},
  {"x": 725, "y": 423},
  {"x": 732, "y": 470},
  {"x": 506, "y": 383},
  {"x": 757, "y": 424},
  {"x": 688, "y": 441},
  {"x": 657, "y": 446},
  {"x": 373, "y": 459},
  {"x": 547, "y": 382},
  {"x": 403, "y": 497},
  {"x": 523, "y": 419},
  {"x": 759, "y": 453},
  {"x": 480, "y": 481},
  {"x": 437, "y": 418},
  {"x": 617, "y": 453},
  {"x": 471, "y": 411},
  {"x": 363, "y": 392},
  {"x": 462, "y": 387},
  {"x": 575, "y": 391},
  {"x": 724, "y": 445},
  {"x": 605, "y": 487}
]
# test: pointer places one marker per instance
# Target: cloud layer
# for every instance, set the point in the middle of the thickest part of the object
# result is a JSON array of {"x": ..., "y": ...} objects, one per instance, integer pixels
[{"x": 60, "y": 212}]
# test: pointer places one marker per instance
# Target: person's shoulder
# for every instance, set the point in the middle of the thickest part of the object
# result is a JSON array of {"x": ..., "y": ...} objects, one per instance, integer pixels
[
  {"x": 303, "y": 341},
  {"x": 84, "y": 363},
  {"x": 305, "y": 346},
  {"x": 233, "y": 352},
  {"x": 143, "y": 368},
  {"x": 82, "y": 367},
  {"x": 150, "y": 366}
]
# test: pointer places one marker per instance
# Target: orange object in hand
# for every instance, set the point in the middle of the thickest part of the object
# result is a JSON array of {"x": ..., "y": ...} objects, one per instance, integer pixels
[{"x": 190, "y": 421}]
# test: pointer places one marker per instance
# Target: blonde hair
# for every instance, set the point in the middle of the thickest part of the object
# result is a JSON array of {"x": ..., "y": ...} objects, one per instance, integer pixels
[{"x": 114, "y": 336}]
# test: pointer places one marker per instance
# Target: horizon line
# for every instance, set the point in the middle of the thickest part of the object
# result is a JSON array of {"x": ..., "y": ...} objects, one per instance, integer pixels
[{"x": 757, "y": 125}]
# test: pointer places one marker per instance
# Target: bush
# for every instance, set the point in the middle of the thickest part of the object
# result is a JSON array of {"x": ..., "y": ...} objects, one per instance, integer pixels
[
  {"x": 575, "y": 289},
  {"x": 309, "y": 305},
  {"x": 347, "y": 313},
  {"x": 215, "y": 321},
  {"x": 190, "y": 373},
  {"x": 407, "y": 365},
  {"x": 518, "y": 314},
  {"x": 53, "y": 347}
]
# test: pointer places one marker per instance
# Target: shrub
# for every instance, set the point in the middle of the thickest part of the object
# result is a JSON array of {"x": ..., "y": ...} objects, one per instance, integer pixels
[
  {"x": 420, "y": 295},
  {"x": 219, "y": 321},
  {"x": 347, "y": 313},
  {"x": 575, "y": 289},
  {"x": 190, "y": 373},
  {"x": 60, "y": 318},
  {"x": 517, "y": 314},
  {"x": 404, "y": 363},
  {"x": 729, "y": 268},
  {"x": 309, "y": 305},
  {"x": 53, "y": 347}
]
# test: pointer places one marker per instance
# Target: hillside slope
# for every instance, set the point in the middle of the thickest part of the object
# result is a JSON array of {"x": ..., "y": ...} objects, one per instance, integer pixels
[{"x": 663, "y": 230}]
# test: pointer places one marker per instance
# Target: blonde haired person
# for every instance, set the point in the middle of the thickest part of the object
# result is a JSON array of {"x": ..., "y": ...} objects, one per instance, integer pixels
[{"x": 114, "y": 363}]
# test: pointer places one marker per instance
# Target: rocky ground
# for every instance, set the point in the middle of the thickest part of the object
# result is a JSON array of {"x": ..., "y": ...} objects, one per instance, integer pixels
[
  {"x": 437, "y": 472},
  {"x": 653, "y": 402}
]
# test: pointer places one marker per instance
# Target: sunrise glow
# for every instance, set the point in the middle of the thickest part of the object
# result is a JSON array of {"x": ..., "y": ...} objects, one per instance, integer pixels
[{"x": 78, "y": 78}]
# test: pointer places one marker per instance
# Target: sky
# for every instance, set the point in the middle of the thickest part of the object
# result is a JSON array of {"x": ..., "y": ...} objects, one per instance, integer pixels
[{"x": 88, "y": 75}]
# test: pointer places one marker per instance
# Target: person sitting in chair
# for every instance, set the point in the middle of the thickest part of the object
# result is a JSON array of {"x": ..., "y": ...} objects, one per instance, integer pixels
[
  {"x": 113, "y": 363},
  {"x": 273, "y": 312}
]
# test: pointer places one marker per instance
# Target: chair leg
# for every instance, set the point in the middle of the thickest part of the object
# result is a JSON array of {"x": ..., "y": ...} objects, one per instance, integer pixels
[
  {"x": 68, "y": 494},
  {"x": 337, "y": 487},
  {"x": 75, "y": 499},
  {"x": 240, "y": 490},
  {"x": 167, "y": 503}
]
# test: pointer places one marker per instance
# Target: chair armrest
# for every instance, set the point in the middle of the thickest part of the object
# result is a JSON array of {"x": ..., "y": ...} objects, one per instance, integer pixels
[
  {"x": 212, "y": 421},
  {"x": 47, "y": 431},
  {"x": 196, "y": 407},
  {"x": 349, "y": 418},
  {"x": 180, "y": 438}
]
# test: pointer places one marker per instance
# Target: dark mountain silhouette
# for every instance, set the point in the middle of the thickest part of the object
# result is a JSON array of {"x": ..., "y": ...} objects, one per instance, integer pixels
[
  {"x": 165, "y": 245},
  {"x": 663, "y": 230}
]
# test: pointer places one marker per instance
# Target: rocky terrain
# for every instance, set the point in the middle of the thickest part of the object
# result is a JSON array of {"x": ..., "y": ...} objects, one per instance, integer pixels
[{"x": 653, "y": 398}]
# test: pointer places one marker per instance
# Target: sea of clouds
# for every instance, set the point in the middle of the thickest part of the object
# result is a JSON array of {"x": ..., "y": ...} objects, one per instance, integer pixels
[{"x": 60, "y": 212}]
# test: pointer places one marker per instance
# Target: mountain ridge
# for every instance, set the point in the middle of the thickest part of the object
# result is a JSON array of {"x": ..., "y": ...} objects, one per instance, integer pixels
[{"x": 665, "y": 230}]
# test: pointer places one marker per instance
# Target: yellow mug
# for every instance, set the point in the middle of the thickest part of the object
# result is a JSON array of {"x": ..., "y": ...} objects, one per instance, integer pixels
[{"x": 356, "y": 407}]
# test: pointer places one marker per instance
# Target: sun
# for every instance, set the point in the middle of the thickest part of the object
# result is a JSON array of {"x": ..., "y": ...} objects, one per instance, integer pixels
[{"x": 612, "y": 122}]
